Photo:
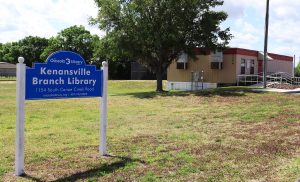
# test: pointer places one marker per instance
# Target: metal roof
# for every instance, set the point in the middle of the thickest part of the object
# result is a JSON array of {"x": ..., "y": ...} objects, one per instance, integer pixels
[
  {"x": 261, "y": 56},
  {"x": 7, "y": 65}
]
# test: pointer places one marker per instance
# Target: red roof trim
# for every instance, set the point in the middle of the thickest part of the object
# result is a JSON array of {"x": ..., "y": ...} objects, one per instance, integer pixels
[
  {"x": 202, "y": 51},
  {"x": 245, "y": 52},
  {"x": 280, "y": 57}
]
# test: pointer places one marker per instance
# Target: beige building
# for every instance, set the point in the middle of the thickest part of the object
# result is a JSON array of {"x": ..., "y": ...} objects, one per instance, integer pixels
[
  {"x": 7, "y": 69},
  {"x": 212, "y": 69}
]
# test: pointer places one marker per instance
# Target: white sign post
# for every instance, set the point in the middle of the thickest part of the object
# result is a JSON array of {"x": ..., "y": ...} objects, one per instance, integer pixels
[
  {"x": 21, "y": 95},
  {"x": 20, "y": 101},
  {"x": 103, "y": 110}
]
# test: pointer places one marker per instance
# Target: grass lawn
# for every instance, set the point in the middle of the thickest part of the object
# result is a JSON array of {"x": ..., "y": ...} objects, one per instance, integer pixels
[
  {"x": 227, "y": 134},
  {"x": 5, "y": 78}
]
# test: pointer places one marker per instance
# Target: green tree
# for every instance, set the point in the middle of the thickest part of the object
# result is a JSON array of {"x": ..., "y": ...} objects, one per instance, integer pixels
[
  {"x": 30, "y": 48},
  {"x": 119, "y": 62},
  {"x": 297, "y": 70},
  {"x": 155, "y": 32},
  {"x": 74, "y": 38},
  {"x": 10, "y": 52},
  {"x": 1, "y": 51}
]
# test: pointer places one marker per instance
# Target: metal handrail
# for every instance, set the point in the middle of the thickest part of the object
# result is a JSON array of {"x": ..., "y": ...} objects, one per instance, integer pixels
[
  {"x": 289, "y": 78},
  {"x": 244, "y": 78},
  {"x": 279, "y": 77}
]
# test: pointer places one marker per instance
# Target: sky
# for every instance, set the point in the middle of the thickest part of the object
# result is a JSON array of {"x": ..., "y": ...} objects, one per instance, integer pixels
[
  {"x": 246, "y": 19},
  {"x": 45, "y": 18}
]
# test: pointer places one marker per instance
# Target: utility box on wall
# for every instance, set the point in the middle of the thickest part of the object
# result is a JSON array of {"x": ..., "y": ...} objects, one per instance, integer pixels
[
  {"x": 182, "y": 61},
  {"x": 216, "y": 56}
]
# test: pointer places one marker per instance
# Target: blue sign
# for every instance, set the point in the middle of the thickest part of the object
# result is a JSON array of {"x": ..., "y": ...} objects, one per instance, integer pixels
[{"x": 64, "y": 75}]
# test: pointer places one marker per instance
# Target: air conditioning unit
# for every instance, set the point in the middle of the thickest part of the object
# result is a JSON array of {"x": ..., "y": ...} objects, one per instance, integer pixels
[
  {"x": 216, "y": 60},
  {"x": 182, "y": 61},
  {"x": 217, "y": 56},
  {"x": 181, "y": 65}
]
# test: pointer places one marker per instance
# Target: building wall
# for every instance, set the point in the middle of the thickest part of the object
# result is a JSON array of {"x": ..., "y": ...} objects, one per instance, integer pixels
[
  {"x": 189, "y": 85},
  {"x": 231, "y": 67},
  {"x": 202, "y": 62},
  {"x": 247, "y": 58},
  {"x": 180, "y": 75},
  {"x": 7, "y": 72},
  {"x": 280, "y": 66}
]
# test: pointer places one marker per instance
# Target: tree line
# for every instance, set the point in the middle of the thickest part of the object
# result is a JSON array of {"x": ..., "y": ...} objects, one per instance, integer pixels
[
  {"x": 297, "y": 70},
  {"x": 74, "y": 38},
  {"x": 152, "y": 32}
]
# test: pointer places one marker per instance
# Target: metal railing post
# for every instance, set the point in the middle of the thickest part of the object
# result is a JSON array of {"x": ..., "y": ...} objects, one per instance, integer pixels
[
  {"x": 20, "y": 112},
  {"x": 103, "y": 110}
]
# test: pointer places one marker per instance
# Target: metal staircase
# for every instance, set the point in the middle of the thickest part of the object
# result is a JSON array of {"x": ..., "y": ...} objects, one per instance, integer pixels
[{"x": 283, "y": 77}]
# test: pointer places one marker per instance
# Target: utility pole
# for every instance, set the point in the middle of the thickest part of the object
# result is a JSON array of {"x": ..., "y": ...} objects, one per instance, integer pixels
[
  {"x": 266, "y": 45},
  {"x": 294, "y": 65}
]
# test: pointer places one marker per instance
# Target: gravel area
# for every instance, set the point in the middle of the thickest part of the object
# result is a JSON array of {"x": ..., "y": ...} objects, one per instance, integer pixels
[{"x": 283, "y": 86}]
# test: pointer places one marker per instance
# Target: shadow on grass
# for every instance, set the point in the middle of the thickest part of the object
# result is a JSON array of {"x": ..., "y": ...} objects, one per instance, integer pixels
[
  {"x": 151, "y": 95},
  {"x": 227, "y": 92},
  {"x": 223, "y": 92},
  {"x": 31, "y": 178},
  {"x": 294, "y": 92},
  {"x": 97, "y": 171}
]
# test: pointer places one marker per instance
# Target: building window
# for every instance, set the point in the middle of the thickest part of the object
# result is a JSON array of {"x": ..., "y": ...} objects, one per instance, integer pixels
[
  {"x": 252, "y": 67},
  {"x": 243, "y": 66},
  {"x": 181, "y": 66},
  {"x": 216, "y": 65}
]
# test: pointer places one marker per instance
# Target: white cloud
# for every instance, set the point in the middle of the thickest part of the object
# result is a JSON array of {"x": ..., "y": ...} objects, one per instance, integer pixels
[
  {"x": 245, "y": 35},
  {"x": 246, "y": 20},
  {"x": 44, "y": 18},
  {"x": 237, "y": 8}
]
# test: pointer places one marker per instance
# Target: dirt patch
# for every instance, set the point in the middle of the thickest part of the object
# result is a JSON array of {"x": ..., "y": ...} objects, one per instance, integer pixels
[
  {"x": 256, "y": 161},
  {"x": 283, "y": 86},
  {"x": 142, "y": 139},
  {"x": 78, "y": 163},
  {"x": 279, "y": 136},
  {"x": 276, "y": 123},
  {"x": 274, "y": 147}
]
